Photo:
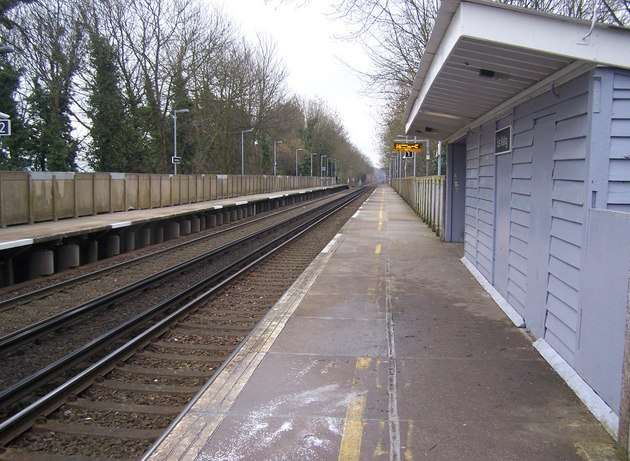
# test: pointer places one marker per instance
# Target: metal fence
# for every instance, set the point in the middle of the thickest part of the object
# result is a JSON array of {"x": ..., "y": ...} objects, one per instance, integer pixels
[
  {"x": 426, "y": 196},
  {"x": 29, "y": 197}
]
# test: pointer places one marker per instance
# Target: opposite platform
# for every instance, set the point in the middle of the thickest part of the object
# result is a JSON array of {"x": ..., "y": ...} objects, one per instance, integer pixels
[
  {"x": 29, "y": 234},
  {"x": 386, "y": 348}
]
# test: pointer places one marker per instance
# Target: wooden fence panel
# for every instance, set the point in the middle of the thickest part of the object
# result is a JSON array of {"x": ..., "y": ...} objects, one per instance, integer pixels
[{"x": 425, "y": 195}]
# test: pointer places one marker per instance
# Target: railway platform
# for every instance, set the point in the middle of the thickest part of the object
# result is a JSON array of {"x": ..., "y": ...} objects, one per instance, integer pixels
[
  {"x": 385, "y": 348},
  {"x": 30, "y": 251},
  {"x": 29, "y": 234}
]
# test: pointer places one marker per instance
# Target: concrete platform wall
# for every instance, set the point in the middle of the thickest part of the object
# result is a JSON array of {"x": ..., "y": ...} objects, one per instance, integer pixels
[{"x": 29, "y": 197}]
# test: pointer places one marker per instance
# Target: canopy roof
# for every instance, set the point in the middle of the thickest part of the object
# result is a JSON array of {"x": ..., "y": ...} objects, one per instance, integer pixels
[{"x": 483, "y": 58}]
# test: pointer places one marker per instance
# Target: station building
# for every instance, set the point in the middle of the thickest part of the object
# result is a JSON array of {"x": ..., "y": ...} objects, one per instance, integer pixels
[{"x": 535, "y": 109}]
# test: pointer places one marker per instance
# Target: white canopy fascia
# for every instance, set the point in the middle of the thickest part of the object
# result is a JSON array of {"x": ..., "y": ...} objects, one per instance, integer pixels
[{"x": 504, "y": 32}]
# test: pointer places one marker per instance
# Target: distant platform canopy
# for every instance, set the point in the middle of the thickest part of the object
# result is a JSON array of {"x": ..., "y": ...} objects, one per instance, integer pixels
[{"x": 483, "y": 58}]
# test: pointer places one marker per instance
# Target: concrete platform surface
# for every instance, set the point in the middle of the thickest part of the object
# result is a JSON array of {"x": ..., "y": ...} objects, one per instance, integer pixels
[
  {"x": 386, "y": 348},
  {"x": 28, "y": 234}
]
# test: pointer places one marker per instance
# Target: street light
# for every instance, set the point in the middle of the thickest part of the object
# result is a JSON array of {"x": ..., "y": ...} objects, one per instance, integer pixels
[
  {"x": 296, "y": 162},
  {"x": 175, "y": 160},
  {"x": 312, "y": 153},
  {"x": 275, "y": 161},
  {"x": 249, "y": 130}
]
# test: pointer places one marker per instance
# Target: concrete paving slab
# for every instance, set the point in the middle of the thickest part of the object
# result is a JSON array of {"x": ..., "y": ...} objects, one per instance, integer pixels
[
  {"x": 504, "y": 440},
  {"x": 260, "y": 437},
  {"x": 343, "y": 306},
  {"x": 292, "y": 385},
  {"x": 335, "y": 337},
  {"x": 454, "y": 333}
]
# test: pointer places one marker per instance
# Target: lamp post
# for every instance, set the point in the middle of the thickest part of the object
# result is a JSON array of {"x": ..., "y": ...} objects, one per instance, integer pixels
[
  {"x": 312, "y": 153},
  {"x": 249, "y": 130},
  {"x": 175, "y": 160},
  {"x": 275, "y": 161},
  {"x": 296, "y": 161}
]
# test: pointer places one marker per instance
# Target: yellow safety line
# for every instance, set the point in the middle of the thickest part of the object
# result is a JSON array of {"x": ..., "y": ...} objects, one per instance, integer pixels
[
  {"x": 350, "y": 449},
  {"x": 352, "y": 435},
  {"x": 363, "y": 363}
]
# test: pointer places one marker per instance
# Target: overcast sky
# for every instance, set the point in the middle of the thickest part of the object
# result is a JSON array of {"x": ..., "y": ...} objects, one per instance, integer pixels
[{"x": 316, "y": 59}]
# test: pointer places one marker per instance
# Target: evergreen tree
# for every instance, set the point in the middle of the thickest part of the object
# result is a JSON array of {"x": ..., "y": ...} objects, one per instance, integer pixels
[
  {"x": 109, "y": 129},
  {"x": 13, "y": 149},
  {"x": 53, "y": 147}
]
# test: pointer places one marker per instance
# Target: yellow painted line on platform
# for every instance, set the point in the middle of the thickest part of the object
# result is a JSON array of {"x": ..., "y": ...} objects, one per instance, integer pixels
[
  {"x": 352, "y": 436},
  {"x": 378, "y": 249},
  {"x": 408, "y": 453},
  {"x": 363, "y": 363}
]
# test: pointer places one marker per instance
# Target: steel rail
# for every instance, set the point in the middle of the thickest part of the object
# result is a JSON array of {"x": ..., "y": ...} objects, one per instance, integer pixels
[
  {"x": 45, "y": 325},
  {"x": 21, "y": 421},
  {"x": 21, "y": 298},
  {"x": 27, "y": 384}
]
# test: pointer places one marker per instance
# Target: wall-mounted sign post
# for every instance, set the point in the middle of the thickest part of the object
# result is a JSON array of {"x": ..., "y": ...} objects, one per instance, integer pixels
[
  {"x": 415, "y": 147},
  {"x": 503, "y": 140},
  {"x": 5, "y": 127},
  {"x": 411, "y": 149}
]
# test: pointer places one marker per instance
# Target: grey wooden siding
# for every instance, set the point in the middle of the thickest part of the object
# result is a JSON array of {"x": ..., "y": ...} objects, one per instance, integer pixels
[
  {"x": 568, "y": 211},
  {"x": 582, "y": 129},
  {"x": 520, "y": 207},
  {"x": 619, "y": 167},
  {"x": 479, "y": 230},
  {"x": 568, "y": 106},
  {"x": 472, "y": 187}
]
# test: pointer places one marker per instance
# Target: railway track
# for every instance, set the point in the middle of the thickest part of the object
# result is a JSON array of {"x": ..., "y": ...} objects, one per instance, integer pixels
[
  {"x": 117, "y": 405},
  {"x": 33, "y": 355}
]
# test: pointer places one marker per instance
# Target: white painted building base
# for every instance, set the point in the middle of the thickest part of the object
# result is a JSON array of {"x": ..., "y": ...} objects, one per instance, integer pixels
[
  {"x": 600, "y": 410},
  {"x": 506, "y": 307},
  {"x": 585, "y": 393}
]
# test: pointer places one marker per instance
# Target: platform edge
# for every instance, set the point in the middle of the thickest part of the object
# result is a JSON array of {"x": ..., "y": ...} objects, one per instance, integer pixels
[{"x": 277, "y": 318}]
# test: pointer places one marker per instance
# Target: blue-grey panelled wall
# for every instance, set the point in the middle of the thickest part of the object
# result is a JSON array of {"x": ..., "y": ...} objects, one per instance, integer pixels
[{"x": 548, "y": 223}]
